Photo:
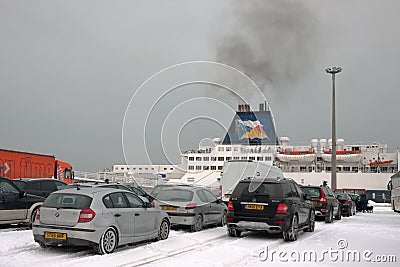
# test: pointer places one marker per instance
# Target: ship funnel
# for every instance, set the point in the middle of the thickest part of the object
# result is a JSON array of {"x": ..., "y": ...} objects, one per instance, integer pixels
[
  {"x": 340, "y": 144},
  {"x": 314, "y": 144},
  {"x": 322, "y": 143},
  {"x": 284, "y": 141}
]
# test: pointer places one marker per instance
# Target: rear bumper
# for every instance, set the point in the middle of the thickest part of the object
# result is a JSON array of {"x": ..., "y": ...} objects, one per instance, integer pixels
[
  {"x": 69, "y": 242},
  {"x": 276, "y": 224},
  {"x": 182, "y": 218}
]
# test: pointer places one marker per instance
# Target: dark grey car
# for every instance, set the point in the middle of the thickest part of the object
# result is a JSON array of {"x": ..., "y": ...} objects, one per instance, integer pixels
[{"x": 189, "y": 205}]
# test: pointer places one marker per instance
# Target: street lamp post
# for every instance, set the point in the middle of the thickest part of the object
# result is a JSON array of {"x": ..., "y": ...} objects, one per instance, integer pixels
[{"x": 333, "y": 71}]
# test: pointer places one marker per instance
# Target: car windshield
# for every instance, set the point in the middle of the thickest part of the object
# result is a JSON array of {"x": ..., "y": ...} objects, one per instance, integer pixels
[
  {"x": 312, "y": 191},
  {"x": 68, "y": 201},
  {"x": 342, "y": 197},
  {"x": 21, "y": 184},
  {"x": 175, "y": 195},
  {"x": 271, "y": 190}
]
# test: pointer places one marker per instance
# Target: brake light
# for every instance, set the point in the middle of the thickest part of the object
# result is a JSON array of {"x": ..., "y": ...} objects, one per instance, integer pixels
[
  {"x": 86, "y": 215},
  {"x": 152, "y": 204},
  {"x": 230, "y": 206},
  {"x": 282, "y": 209},
  {"x": 220, "y": 191},
  {"x": 191, "y": 206},
  {"x": 37, "y": 214},
  {"x": 346, "y": 203},
  {"x": 323, "y": 199}
]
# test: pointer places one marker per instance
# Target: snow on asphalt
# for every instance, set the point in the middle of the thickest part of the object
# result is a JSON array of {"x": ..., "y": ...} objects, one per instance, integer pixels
[{"x": 374, "y": 236}]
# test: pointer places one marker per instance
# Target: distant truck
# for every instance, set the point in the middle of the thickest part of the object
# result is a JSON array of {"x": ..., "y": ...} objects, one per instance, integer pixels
[
  {"x": 235, "y": 170},
  {"x": 15, "y": 165}
]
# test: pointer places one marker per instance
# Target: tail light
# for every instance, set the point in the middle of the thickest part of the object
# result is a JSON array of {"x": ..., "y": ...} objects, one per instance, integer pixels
[
  {"x": 230, "y": 206},
  {"x": 86, "y": 215},
  {"x": 37, "y": 214},
  {"x": 191, "y": 206},
  {"x": 282, "y": 209},
  {"x": 346, "y": 203},
  {"x": 323, "y": 199},
  {"x": 220, "y": 191},
  {"x": 152, "y": 204}
]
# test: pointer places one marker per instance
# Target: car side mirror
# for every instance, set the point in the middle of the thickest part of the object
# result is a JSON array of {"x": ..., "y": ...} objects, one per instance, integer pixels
[
  {"x": 22, "y": 194},
  {"x": 307, "y": 196}
]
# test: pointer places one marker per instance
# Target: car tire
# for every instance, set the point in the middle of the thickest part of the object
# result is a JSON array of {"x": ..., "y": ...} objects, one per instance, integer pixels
[
  {"x": 198, "y": 224},
  {"x": 311, "y": 222},
  {"x": 163, "y": 233},
  {"x": 338, "y": 215},
  {"x": 223, "y": 219},
  {"x": 108, "y": 242},
  {"x": 292, "y": 233},
  {"x": 329, "y": 216},
  {"x": 233, "y": 232}
]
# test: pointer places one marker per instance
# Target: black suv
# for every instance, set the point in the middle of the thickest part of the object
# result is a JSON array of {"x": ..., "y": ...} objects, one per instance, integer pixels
[
  {"x": 15, "y": 205},
  {"x": 325, "y": 202},
  {"x": 39, "y": 186},
  {"x": 270, "y": 205}
]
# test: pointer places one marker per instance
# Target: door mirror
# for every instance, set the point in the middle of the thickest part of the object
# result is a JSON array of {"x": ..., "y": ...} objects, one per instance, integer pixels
[{"x": 22, "y": 194}]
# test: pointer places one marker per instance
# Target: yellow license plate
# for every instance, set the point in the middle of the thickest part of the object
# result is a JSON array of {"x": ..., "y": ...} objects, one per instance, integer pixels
[
  {"x": 227, "y": 196},
  {"x": 169, "y": 208},
  {"x": 58, "y": 236},
  {"x": 254, "y": 207}
]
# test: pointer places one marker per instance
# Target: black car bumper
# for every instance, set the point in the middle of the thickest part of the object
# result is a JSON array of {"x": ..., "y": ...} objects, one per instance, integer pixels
[{"x": 276, "y": 224}]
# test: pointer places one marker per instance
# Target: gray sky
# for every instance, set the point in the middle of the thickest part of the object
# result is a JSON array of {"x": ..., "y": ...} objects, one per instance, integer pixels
[{"x": 69, "y": 69}]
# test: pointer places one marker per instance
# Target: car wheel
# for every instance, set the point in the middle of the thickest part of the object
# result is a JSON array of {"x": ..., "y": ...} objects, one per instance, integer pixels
[
  {"x": 338, "y": 215},
  {"x": 223, "y": 219},
  {"x": 164, "y": 230},
  {"x": 233, "y": 232},
  {"x": 311, "y": 222},
  {"x": 198, "y": 224},
  {"x": 292, "y": 233},
  {"x": 108, "y": 242},
  {"x": 329, "y": 217}
]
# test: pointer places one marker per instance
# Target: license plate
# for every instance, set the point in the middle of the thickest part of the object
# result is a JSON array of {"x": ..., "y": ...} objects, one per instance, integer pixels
[
  {"x": 58, "y": 236},
  {"x": 254, "y": 207},
  {"x": 169, "y": 208}
]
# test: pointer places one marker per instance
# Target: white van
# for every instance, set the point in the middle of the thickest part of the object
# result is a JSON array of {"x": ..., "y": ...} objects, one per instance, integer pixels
[{"x": 236, "y": 170}]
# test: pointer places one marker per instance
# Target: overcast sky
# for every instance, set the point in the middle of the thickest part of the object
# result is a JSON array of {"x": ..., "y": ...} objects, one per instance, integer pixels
[{"x": 69, "y": 69}]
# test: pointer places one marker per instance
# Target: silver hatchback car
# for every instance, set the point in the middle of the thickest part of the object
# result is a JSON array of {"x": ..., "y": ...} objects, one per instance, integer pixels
[{"x": 103, "y": 218}]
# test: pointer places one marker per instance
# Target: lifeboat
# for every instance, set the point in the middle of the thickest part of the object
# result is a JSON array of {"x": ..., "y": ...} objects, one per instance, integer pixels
[
  {"x": 379, "y": 163},
  {"x": 343, "y": 155},
  {"x": 296, "y": 156}
]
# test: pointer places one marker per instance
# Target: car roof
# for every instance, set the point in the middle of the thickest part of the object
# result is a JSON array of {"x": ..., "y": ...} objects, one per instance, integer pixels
[
  {"x": 265, "y": 180},
  {"x": 36, "y": 179},
  {"x": 87, "y": 190}
]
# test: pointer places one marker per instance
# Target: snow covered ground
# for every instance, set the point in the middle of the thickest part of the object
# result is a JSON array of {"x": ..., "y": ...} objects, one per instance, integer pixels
[{"x": 363, "y": 239}]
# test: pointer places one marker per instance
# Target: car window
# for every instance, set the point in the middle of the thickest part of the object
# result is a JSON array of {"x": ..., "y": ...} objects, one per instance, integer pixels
[
  {"x": 47, "y": 185},
  {"x": 107, "y": 202},
  {"x": 123, "y": 187},
  {"x": 175, "y": 195},
  {"x": 210, "y": 196},
  {"x": 60, "y": 185},
  {"x": 299, "y": 192},
  {"x": 293, "y": 190},
  {"x": 34, "y": 185},
  {"x": 67, "y": 201},
  {"x": 343, "y": 197},
  {"x": 21, "y": 184},
  {"x": 201, "y": 195},
  {"x": 134, "y": 201},
  {"x": 264, "y": 189},
  {"x": 312, "y": 191},
  {"x": 7, "y": 188},
  {"x": 118, "y": 200}
]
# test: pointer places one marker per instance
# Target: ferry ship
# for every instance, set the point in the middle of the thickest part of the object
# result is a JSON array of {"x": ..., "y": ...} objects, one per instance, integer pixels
[{"x": 252, "y": 136}]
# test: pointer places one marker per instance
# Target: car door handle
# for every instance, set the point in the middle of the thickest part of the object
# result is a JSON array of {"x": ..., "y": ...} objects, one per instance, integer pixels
[
  {"x": 117, "y": 215},
  {"x": 137, "y": 214}
]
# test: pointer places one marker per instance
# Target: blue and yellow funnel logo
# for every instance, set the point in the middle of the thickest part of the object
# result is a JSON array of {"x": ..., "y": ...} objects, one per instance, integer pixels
[{"x": 250, "y": 129}]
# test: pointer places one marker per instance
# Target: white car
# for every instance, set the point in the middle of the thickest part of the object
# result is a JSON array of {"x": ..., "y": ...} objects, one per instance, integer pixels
[{"x": 103, "y": 218}]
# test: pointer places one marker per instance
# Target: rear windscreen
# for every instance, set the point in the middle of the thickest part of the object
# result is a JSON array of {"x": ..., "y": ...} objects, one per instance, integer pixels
[
  {"x": 271, "y": 190},
  {"x": 67, "y": 201},
  {"x": 175, "y": 195},
  {"x": 342, "y": 197},
  {"x": 312, "y": 191}
]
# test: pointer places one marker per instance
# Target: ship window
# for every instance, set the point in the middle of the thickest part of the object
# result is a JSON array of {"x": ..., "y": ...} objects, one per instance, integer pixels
[
  {"x": 235, "y": 148},
  {"x": 268, "y": 158},
  {"x": 198, "y": 168},
  {"x": 146, "y": 168},
  {"x": 206, "y": 158},
  {"x": 122, "y": 168},
  {"x": 355, "y": 169},
  {"x": 220, "y": 168},
  {"x": 191, "y": 158},
  {"x": 213, "y": 158},
  {"x": 236, "y": 157},
  {"x": 228, "y": 158},
  {"x": 221, "y": 148},
  {"x": 220, "y": 158},
  {"x": 198, "y": 158},
  {"x": 206, "y": 168},
  {"x": 259, "y": 158},
  {"x": 228, "y": 149},
  {"x": 252, "y": 158},
  {"x": 171, "y": 169},
  {"x": 303, "y": 168},
  {"x": 134, "y": 168},
  {"x": 346, "y": 169},
  {"x": 191, "y": 167},
  {"x": 213, "y": 168},
  {"x": 244, "y": 158}
]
